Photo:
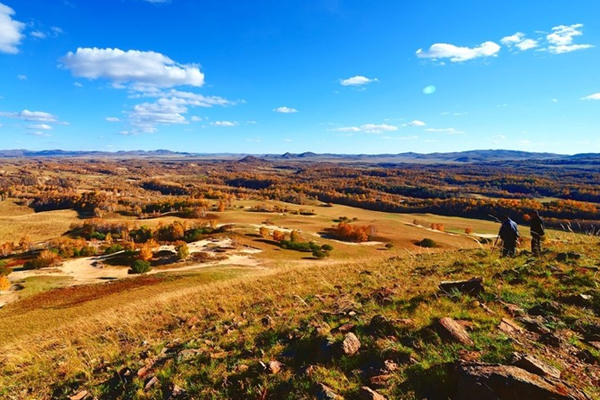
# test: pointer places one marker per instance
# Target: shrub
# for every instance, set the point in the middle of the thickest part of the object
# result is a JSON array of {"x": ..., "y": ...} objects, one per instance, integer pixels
[
  {"x": 4, "y": 283},
  {"x": 182, "y": 250},
  {"x": 278, "y": 236},
  {"x": 113, "y": 248},
  {"x": 427, "y": 243},
  {"x": 45, "y": 259},
  {"x": 139, "y": 267},
  {"x": 353, "y": 233},
  {"x": 326, "y": 247},
  {"x": 389, "y": 245}
]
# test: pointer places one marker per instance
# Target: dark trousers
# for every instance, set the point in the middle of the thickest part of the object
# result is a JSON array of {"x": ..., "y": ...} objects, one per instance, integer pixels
[
  {"x": 509, "y": 249},
  {"x": 536, "y": 244}
]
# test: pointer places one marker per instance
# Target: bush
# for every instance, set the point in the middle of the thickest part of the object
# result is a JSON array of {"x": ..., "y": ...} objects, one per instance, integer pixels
[
  {"x": 389, "y": 245},
  {"x": 4, "y": 283},
  {"x": 139, "y": 267},
  {"x": 427, "y": 243},
  {"x": 45, "y": 259},
  {"x": 113, "y": 249},
  {"x": 326, "y": 247},
  {"x": 182, "y": 250}
]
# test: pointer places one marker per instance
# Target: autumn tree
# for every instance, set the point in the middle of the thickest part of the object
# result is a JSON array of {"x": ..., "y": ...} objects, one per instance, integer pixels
[
  {"x": 295, "y": 236},
  {"x": 182, "y": 250},
  {"x": 278, "y": 236},
  {"x": 264, "y": 232}
]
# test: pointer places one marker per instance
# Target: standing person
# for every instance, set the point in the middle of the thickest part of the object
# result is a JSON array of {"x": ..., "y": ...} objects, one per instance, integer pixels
[
  {"x": 537, "y": 233},
  {"x": 509, "y": 234}
]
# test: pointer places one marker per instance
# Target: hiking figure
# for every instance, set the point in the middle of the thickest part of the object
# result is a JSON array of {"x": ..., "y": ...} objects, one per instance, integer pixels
[
  {"x": 537, "y": 233},
  {"x": 509, "y": 234}
]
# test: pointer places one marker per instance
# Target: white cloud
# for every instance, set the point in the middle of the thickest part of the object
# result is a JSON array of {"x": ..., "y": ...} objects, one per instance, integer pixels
[
  {"x": 519, "y": 41},
  {"x": 32, "y": 116},
  {"x": 430, "y": 89},
  {"x": 22, "y": 77},
  {"x": 415, "y": 122},
  {"x": 189, "y": 98},
  {"x": 224, "y": 123},
  {"x": 285, "y": 110},
  {"x": 593, "y": 96},
  {"x": 368, "y": 128},
  {"x": 77, "y": 84},
  {"x": 449, "y": 131},
  {"x": 112, "y": 119},
  {"x": 459, "y": 53},
  {"x": 196, "y": 118},
  {"x": 357, "y": 80},
  {"x": 43, "y": 127},
  {"x": 11, "y": 31},
  {"x": 140, "y": 69},
  {"x": 165, "y": 111},
  {"x": 38, "y": 34},
  {"x": 561, "y": 39}
]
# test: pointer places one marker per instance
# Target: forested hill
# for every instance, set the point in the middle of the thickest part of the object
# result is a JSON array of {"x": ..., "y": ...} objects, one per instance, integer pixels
[{"x": 471, "y": 156}]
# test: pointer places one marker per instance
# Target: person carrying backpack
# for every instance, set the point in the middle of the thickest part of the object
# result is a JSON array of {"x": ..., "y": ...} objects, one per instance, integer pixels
[
  {"x": 509, "y": 234},
  {"x": 537, "y": 233}
]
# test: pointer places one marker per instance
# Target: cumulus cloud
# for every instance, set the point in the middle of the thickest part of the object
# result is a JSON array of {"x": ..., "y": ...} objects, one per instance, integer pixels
[
  {"x": 357, "y": 80},
  {"x": 31, "y": 116},
  {"x": 11, "y": 31},
  {"x": 368, "y": 128},
  {"x": 454, "y": 53},
  {"x": 285, "y": 110},
  {"x": 593, "y": 96},
  {"x": 112, "y": 119},
  {"x": 430, "y": 89},
  {"x": 415, "y": 122},
  {"x": 140, "y": 69},
  {"x": 519, "y": 41},
  {"x": 561, "y": 39},
  {"x": 43, "y": 127},
  {"x": 226, "y": 124},
  {"x": 165, "y": 111}
]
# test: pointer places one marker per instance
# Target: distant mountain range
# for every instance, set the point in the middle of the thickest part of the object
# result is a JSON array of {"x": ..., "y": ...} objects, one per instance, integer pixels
[{"x": 471, "y": 156}]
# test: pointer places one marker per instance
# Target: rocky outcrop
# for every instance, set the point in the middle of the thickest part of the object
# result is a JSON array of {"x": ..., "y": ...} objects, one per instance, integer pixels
[
  {"x": 471, "y": 286},
  {"x": 508, "y": 382},
  {"x": 452, "y": 330}
]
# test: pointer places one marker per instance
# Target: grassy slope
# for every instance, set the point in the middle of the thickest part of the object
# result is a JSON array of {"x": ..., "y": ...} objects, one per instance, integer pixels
[{"x": 306, "y": 303}]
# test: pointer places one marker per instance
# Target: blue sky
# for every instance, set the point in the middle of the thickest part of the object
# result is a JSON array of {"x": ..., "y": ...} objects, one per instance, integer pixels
[{"x": 323, "y": 75}]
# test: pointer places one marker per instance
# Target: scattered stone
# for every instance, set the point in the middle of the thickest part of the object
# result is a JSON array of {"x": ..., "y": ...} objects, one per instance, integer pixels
[
  {"x": 327, "y": 393},
  {"x": 579, "y": 300},
  {"x": 534, "y": 324},
  {"x": 390, "y": 365},
  {"x": 507, "y": 382},
  {"x": 346, "y": 328},
  {"x": 509, "y": 326},
  {"x": 514, "y": 310},
  {"x": 570, "y": 255},
  {"x": 275, "y": 367},
  {"x": 366, "y": 393},
  {"x": 176, "y": 392},
  {"x": 550, "y": 339},
  {"x": 187, "y": 354},
  {"x": 380, "y": 380},
  {"x": 383, "y": 296},
  {"x": 82, "y": 395},
  {"x": 455, "y": 331},
  {"x": 469, "y": 356},
  {"x": 471, "y": 286},
  {"x": 153, "y": 381},
  {"x": 267, "y": 320},
  {"x": 533, "y": 365},
  {"x": 545, "y": 308},
  {"x": 351, "y": 344}
]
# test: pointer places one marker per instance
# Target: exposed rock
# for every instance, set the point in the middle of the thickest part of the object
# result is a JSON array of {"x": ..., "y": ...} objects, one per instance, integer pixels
[
  {"x": 571, "y": 255},
  {"x": 509, "y": 326},
  {"x": 327, "y": 393},
  {"x": 267, "y": 320},
  {"x": 366, "y": 393},
  {"x": 390, "y": 365},
  {"x": 380, "y": 380},
  {"x": 471, "y": 286},
  {"x": 82, "y": 395},
  {"x": 579, "y": 300},
  {"x": 383, "y": 296},
  {"x": 507, "y": 382},
  {"x": 275, "y": 367},
  {"x": 533, "y": 365},
  {"x": 455, "y": 331},
  {"x": 545, "y": 308},
  {"x": 534, "y": 324},
  {"x": 382, "y": 325},
  {"x": 153, "y": 381},
  {"x": 351, "y": 344},
  {"x": 551, "y": 339},
  {"x": 586, "y": 356},
  {"x": 514, "y": 310},
  {"x": 346, "y": 328}
]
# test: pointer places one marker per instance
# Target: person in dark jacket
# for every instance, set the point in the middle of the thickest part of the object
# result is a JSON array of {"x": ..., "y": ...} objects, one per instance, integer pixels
[
  {"x": 509, "y": 234},
  {"x": 537, "y": 233}
]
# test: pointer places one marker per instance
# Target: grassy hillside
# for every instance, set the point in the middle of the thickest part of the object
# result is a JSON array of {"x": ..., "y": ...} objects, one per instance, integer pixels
[{"x": 225, "y": 336}]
